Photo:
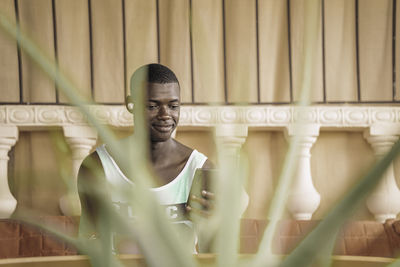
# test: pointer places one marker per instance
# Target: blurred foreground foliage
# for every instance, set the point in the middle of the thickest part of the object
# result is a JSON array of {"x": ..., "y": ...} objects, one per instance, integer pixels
[{"x": 159, "y": 242}]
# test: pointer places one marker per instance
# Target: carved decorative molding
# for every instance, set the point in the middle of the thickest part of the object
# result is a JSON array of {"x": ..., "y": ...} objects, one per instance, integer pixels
[{"x": 207, "y": 116}]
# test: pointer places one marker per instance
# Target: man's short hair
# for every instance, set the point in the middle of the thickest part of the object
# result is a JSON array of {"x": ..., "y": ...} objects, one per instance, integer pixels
[
  {"x": 150, "y": 73},
  {"x": 157, "y": 73}
]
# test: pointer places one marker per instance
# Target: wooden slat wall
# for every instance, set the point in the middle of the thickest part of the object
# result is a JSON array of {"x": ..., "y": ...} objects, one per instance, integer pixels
[
  {"x": 274, "y": 72},
  {"x": 141, "y": 35},
  {"x": 375, "y": 46},
  {"x": 208, "y": 51},
  {"x": 241, "y": 51},
  {"x": 9, "y": 74},
  {"x": 36, "y": 19},
  {"x": 175, "y": 42},
  {"x": 340, "y": 50},
  {"x": 73, "y": 44},
  {"x": 236, "y": 51},
  {"x": 107, "y": 51}
]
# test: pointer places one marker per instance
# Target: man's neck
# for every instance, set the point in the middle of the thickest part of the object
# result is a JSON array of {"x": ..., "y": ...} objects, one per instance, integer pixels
[{"x": 160, "y": 150}]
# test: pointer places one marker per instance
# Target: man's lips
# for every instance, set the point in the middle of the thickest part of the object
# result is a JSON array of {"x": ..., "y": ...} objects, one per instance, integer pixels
[{"x": 163, "y": 127}]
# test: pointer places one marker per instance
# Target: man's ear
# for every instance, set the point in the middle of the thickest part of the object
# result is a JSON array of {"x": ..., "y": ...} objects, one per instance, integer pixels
[{"x": 129, "y": 103}]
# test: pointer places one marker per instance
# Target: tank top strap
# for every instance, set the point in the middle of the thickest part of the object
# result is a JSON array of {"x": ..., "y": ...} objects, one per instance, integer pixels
[
  {"x": 105, "y": 159},
  {"x": 196, "y": 162},
  {"x": 111, "y": 170}
]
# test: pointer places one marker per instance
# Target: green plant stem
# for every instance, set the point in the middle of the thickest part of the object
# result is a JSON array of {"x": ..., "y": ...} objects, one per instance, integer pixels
[{"x": 278, "y": 204}]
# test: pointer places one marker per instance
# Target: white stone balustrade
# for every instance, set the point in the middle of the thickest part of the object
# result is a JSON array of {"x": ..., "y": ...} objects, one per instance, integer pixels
[
  {"x": 81, "y": 139},
  {"x": 234, "y": 122},
  {"x": 384, "y": 201},
  {"x": 8, "y": 138},
  {"x": 303, "y": 199}
]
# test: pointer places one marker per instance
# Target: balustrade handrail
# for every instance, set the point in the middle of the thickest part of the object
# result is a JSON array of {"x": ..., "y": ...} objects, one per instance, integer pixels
[{"x": 358, "y": 117}]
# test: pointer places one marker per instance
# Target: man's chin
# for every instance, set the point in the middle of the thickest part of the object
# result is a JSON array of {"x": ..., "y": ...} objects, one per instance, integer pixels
[{"x": 161, "y": 137}]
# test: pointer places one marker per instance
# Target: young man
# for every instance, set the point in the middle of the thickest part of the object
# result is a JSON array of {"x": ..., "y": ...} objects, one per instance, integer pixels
[{"x": 174, "y": 163}]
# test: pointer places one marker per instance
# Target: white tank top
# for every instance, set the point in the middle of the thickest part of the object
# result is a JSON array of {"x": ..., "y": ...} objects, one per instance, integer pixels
[
  {"x": 175, "y": 192},
  {"x": 173, "y": 195}
]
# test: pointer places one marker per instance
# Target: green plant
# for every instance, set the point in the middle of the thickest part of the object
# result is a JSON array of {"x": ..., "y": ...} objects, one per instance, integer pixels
[{"x": 151, "y": 224}]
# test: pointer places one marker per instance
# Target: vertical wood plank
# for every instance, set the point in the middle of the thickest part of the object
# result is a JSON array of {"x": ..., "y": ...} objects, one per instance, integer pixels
[
  {"x": 47, "y": 185},
  {"x": 375, "y": 50},
  {"x": 241, "y": 50},
  {"x": 22, "y": 175},
  {"x": 340, "y": 50},
  {"x": 273, "y": 51},
  {"x": 297, "y": 14},
  {"x": 208, "y": 54},
  {"x": 107, "y": 51},
  {"x": 175, "y": 42},
  {"x": 397, "y": 51},
  {"x": 73, "y": 44},
  {"x": 141, "y": 35},
  {"x": 38, "y": 184},
  {"x": 9, "y": 73},
  {"x": 270, "y": 149},
  {"x": 36, "y": 20}
]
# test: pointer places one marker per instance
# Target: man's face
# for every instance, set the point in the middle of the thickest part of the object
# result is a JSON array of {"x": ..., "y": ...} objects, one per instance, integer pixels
[{"x": 163, "y": 108}]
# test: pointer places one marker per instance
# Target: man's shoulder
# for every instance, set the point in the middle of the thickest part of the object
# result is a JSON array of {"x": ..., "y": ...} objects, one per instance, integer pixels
[
  {"x": 183, "y": 149},
  {"x": 187, "y": 151}
]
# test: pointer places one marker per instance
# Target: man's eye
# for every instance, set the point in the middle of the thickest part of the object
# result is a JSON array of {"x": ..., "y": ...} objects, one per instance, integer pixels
[
  {"x": 175, "y": 106},
  {"x": 152, "y": 107}
]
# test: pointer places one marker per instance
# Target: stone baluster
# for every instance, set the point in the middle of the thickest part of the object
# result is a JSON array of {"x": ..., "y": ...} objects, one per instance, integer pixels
[
  {"x": 81, "y": 140},
  {"x": 8, "y": 138},
  {"x": 303, "y": 199},
  {"x": 384, "y": 201},
  {"x": 231, "y": 137}
]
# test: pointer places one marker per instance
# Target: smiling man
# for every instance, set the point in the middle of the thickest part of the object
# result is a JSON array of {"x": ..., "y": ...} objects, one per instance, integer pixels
[
  {"x": 170, "y": 159},
  {"x": 174, "y": 163},
  {"x": 168, "y": 156}
]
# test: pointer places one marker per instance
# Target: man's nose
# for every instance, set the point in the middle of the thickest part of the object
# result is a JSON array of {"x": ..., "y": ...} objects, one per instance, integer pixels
[{"x": 163, "y": 112}]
